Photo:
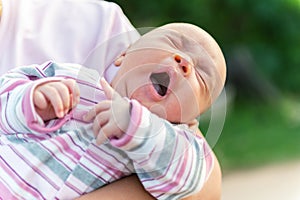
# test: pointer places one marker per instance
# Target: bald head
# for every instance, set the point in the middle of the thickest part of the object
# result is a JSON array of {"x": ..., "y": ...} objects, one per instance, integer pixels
[
  {"x": 197, "y": 51},
  {"x": 199, "y": 44}
]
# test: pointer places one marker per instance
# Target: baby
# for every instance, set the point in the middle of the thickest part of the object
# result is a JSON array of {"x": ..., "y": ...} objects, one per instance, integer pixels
[{"x": 48, "y": 147}]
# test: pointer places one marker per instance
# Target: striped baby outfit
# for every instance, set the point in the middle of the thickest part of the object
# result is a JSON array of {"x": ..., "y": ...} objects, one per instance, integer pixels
[{"x": 60, "y": 159}]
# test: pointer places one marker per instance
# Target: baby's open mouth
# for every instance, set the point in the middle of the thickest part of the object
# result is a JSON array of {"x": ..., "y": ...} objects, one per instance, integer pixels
[{"x": 160, "y": 82}]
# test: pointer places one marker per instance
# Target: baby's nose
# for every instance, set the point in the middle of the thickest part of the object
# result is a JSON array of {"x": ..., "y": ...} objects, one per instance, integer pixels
[{"x": 184, "y": 65}]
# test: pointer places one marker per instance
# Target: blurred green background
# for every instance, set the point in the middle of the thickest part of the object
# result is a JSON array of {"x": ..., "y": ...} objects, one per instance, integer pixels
[{"x": 261, "y": 44}]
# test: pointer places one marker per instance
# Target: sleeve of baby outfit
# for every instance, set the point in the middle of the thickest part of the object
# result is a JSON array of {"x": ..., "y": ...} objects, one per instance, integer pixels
[
  {"x": 18, "y": 114},
  {"x": 171, "y": 161}
]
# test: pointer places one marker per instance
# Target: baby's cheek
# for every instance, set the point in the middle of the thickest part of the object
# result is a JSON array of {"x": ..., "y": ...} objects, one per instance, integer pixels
[
  {"x": 171, "y": 114},
  {"x": 174, "y": 113},
  {"x": 141, "y": 96},
  {"x": 159, "y": 110}
]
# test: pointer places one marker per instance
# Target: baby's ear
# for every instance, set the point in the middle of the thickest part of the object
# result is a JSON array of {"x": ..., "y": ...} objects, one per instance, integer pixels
[{"x": 119, "y": 59}]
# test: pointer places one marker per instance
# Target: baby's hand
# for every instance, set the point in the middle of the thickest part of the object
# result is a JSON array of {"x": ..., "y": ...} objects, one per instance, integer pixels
[
  {"x": 111, "y": 117},
  {"x": 55, "y": 99}
]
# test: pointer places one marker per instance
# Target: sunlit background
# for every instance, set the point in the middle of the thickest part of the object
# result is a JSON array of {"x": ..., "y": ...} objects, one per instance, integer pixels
[{"x": 261, "y": 44}]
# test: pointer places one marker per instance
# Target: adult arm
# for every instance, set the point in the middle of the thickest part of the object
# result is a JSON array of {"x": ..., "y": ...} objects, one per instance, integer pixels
[{"x": 130, "y": 188}]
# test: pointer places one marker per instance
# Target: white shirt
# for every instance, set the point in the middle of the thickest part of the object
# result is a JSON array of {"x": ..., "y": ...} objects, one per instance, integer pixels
[{"x": 88, "y": 32}]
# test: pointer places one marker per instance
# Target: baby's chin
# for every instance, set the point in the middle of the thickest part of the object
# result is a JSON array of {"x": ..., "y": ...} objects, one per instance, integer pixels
[
  {"x": 178, "y": 118},
  {"x": 161, "y": 112}
]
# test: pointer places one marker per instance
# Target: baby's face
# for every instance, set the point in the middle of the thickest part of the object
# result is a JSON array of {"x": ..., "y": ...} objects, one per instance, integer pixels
[{"x": 164, "y": 76}]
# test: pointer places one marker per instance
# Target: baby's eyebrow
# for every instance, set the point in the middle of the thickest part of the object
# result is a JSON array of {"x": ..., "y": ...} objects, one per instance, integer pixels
[
  {"x": 175, "y": 38},
  {"x": 200, "y": 78}
]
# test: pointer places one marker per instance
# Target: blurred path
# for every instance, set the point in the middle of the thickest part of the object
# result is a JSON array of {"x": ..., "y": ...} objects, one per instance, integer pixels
[{"x": 276, "y": 182}]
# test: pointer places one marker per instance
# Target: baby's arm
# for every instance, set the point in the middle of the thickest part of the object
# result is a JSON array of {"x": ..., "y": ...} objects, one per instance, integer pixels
[
  {"x": 18, "y": 113},
  {"x": 171, "y": 162}
]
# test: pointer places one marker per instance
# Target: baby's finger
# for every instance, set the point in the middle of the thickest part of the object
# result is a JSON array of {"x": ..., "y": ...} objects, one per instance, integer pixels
[
  {"x": 110, "y": 93},
  {"x": 39, "y": 100},
  {"x": 64, "y": 94},
  {"x": 100, "y": 121},
  {"x": 53, "y": 96},
  {"x": 100, "y": 107},
  {"x": 101, "y": 138},
  {"x": 109, "y": 131},
  {"x": 73, "y": 90}
]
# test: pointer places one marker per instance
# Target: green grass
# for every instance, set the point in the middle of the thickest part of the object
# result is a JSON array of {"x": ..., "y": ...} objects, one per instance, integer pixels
[{"x": 256, "y": 134}]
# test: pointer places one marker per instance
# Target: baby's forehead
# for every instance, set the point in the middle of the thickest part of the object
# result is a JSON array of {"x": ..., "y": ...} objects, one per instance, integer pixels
[{"x": 172, "y": 41}]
